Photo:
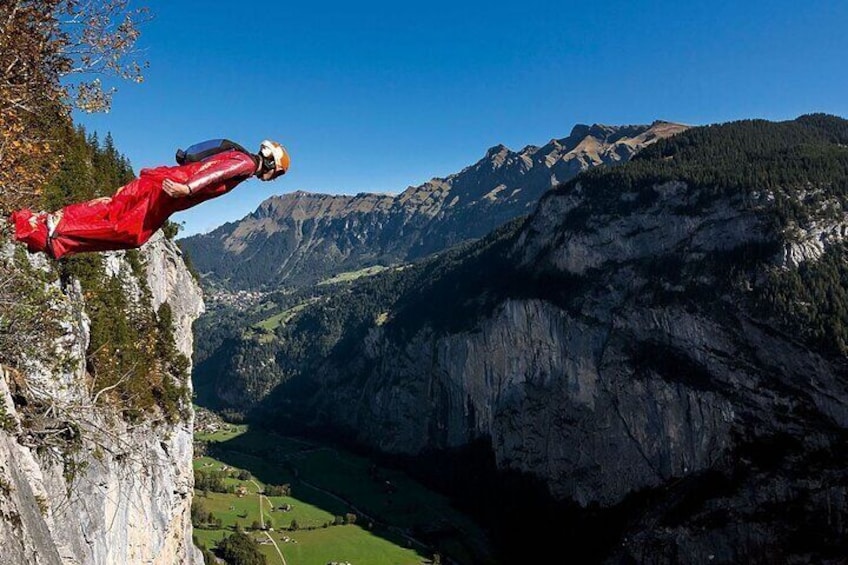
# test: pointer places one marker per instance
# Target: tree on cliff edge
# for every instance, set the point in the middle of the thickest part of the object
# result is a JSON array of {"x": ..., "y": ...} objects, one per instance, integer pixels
[{"x": 53, "y": 57}]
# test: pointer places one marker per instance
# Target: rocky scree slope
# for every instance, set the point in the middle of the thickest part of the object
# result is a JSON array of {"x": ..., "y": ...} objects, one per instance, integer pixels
[
  {"x": 300, "y": 238},
  {"x": 663, "y": 341},
  {"x": 87, "y": 473}
]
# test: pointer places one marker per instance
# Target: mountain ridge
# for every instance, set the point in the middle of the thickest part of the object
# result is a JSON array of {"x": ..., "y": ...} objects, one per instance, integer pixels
[{"x": 302, "y": 237}]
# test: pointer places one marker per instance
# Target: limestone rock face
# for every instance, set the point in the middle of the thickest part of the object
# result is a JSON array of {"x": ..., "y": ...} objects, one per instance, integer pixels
[
  {"x": 113, "y": 492},
  {"x": 169, "y": 281}
]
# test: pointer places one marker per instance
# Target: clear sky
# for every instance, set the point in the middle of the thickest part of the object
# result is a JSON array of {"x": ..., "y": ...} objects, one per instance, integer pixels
[{"x": 372, "y": 96}]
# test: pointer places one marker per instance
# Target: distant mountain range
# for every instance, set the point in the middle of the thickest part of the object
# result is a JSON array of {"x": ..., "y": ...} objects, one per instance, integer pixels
[{"x": 301, "y": 238}]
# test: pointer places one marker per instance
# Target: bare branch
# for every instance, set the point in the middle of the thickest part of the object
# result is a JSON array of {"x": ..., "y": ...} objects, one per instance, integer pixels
[{"x": 120, "y": 381}]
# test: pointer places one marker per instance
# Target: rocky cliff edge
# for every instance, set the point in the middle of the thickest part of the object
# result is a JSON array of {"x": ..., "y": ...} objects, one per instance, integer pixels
[{"x": 79, "y": 482}]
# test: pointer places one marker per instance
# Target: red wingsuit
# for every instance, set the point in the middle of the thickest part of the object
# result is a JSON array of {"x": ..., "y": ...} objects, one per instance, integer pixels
[{"x": 135, "y": 212}]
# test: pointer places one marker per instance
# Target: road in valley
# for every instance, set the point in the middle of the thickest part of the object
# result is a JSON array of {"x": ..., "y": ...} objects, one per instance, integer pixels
[{"x": 262, "y": 520}]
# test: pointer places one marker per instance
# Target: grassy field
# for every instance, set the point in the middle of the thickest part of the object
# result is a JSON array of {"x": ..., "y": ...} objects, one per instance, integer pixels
[
  {"x": 229, "y": 432},
  {"x": 349, "y": 543},
  {"x": 316, "y": 541},
  {"x": 398, "y": 522},
  {"x": 346, "y": 543},
  {"x": 353, "y": 275},
  {"x": 281, "y": 319}
]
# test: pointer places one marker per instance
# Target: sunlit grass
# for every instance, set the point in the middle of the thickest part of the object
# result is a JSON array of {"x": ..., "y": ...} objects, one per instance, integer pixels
[
  {"x": 353, "y": 275},
  {"x": 346, "y": 543},
  {"x": 326, "y": 485},
  {"x": 282, "y": 318},
  {"x": 317, "y": 541},
  {"x": 229, "y": 432}
]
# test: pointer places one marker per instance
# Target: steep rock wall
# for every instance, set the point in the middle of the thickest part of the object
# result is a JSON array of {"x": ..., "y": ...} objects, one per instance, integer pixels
[
  {"x": 607, "y": 394},
  {"x": 79, "y": 484}
]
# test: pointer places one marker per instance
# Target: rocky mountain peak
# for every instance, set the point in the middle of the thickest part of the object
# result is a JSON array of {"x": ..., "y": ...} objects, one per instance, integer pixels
[
  {"x": 579, "y": 131},
  {"x": 496, "y": 156},
  {"x": 496, "y": 150}
]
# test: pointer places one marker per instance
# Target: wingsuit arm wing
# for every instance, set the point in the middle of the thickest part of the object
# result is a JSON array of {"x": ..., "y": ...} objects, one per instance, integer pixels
[{"x": 217, "y": 171}]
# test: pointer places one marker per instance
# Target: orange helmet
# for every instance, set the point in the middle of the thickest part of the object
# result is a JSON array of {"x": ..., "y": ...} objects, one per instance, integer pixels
[{"x": 273, "y": 152}]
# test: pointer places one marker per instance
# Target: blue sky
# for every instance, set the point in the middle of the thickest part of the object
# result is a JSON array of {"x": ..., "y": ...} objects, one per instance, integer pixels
[{"x": 375, "y": 97}]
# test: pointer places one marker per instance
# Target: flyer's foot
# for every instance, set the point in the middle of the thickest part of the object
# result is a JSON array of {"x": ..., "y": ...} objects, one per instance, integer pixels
[{"x": 30, "y": 229}]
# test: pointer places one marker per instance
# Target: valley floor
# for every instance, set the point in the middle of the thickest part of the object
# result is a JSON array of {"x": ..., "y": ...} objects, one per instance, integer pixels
[{"x": 342, "y": 508}]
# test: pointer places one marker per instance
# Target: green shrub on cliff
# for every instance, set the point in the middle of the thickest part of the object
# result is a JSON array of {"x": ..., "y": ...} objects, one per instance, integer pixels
[{"x": 28, "y": 324}]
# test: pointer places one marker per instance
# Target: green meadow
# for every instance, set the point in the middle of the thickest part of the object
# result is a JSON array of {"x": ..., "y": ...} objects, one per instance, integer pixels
[
  {"x": 282, "y": 318},
  {"x": 341, "y": 507},
  {"x": 353, "y": 275},
  {"x": 315, "y": 541},
  {"x": 229, "y": 432}
]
